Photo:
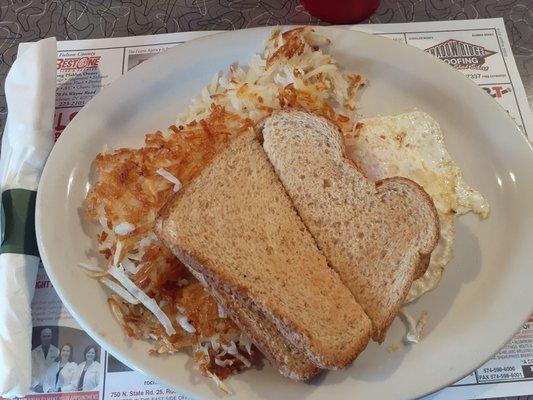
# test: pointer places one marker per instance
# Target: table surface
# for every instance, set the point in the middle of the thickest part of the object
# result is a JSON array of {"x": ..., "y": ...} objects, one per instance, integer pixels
[{"x": 30, "y": 20}]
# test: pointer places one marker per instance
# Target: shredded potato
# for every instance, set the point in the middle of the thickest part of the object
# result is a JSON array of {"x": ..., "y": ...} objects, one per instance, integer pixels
[{"x": 134, "y": 184}]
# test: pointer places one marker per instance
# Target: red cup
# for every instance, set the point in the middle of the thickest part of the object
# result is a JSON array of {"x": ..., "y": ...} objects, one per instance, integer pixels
[{"x": 341, "y": 11}]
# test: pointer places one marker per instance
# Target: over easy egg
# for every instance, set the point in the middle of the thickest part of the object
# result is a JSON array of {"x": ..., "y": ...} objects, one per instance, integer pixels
[{"x": 412, "y": 145}]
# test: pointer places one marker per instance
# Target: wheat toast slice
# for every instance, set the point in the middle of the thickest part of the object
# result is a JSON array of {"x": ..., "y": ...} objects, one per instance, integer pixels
[{"x": 377, "y": 235}]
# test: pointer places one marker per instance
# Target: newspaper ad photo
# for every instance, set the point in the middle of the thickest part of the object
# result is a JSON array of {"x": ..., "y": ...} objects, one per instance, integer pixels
[{"x": 60, "y": 366}]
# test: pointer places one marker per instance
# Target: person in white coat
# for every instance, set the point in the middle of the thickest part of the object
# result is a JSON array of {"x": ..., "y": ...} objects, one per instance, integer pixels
[
  {"x": 61, "y": 375},
  {"x": 88, "y": 372},
  {"x": 41, "y": 358}
]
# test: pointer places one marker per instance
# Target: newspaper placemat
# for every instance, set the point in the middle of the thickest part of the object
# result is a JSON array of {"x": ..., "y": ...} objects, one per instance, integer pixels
[{"x": 478, "y": 48}]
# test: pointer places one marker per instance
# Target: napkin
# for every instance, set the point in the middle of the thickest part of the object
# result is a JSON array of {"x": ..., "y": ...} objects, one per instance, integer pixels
[{"x": 27, "y": 141}]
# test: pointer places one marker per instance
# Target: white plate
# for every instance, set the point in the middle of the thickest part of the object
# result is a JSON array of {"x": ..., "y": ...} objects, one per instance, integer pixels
[{"x": 486, "y": 291}]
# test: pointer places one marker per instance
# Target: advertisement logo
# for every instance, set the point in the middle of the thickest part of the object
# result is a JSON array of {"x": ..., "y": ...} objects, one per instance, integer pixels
[
  {"x": 78, "y": 63},
  {"x": 497, "y": 92},
  {"x": 461, "y": 55}
]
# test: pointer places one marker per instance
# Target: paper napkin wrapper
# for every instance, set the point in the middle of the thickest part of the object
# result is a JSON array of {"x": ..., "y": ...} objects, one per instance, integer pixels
[{"x": 26, "y": 143}]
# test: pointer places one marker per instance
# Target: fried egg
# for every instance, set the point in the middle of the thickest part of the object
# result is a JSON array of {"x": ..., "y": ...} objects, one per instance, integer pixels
[{"x": 412, "y": 145}]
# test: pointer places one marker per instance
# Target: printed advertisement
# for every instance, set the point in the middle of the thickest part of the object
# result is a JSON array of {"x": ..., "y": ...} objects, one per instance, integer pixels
[
  {"x": 479, "y": 49},
  {"x": 64, "y": 358}
]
